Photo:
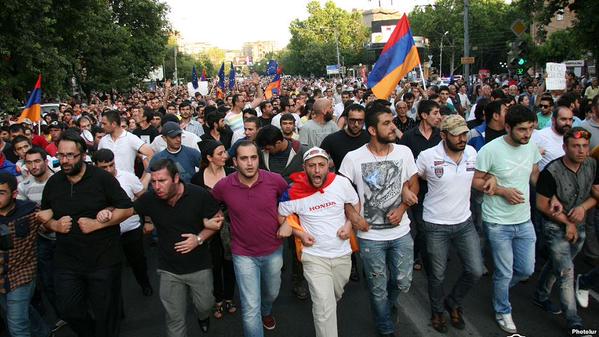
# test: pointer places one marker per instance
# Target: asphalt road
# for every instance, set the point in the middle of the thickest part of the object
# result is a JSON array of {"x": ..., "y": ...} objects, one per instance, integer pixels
[{"x": 144, "y": 315}]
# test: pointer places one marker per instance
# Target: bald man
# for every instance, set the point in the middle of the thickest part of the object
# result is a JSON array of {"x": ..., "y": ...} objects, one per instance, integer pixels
[{"x": 321, "y": 124}]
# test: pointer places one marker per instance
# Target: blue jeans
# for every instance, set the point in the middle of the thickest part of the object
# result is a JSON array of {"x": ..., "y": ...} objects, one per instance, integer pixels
[
  {"x": 388, "y": 268},
  {"x": 259, "y": 281},
  {"x": 513, "y": 250},
  {"x": 22, "y": 318},
  {"x": 464, "y": 238},
  {"x": 560, "y": 268}
]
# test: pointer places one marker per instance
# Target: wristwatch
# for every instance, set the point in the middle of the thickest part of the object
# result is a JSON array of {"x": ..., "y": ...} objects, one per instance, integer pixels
[{"x": 200, "y": 240}]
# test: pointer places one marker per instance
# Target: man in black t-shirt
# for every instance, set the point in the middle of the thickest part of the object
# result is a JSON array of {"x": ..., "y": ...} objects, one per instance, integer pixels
[
  {"x": 87, "y": 260},
  {"x": 180, "y": 213},
  {"x": 353, "y": 136},
  {"x": 145, "y": 130}
]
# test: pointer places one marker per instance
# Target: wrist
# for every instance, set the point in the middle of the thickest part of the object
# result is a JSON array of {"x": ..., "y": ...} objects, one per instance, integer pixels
[{"x": 200, "y": 240}]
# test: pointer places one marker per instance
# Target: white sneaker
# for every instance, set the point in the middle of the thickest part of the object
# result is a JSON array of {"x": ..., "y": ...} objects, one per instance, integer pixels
[
  {"x": 506, "y": 323},
  {"x": 582, "y": 295}
]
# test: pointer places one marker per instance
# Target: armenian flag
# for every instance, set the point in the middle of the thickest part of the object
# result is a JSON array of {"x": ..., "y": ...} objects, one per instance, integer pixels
[
  {"x": 203, "y": 78},
  {"x": 33, "y": 110},
  {"x": 274, "y": 87},
  {"x": 399, "y": 56}
]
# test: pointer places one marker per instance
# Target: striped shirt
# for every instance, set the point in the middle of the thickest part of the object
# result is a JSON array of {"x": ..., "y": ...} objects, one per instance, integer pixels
[{"x": 234, "y": 120}]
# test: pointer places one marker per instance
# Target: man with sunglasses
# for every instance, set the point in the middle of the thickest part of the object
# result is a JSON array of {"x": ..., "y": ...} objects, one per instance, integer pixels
[
  {"x": 571, "y": 179},
  {"x": 544, "y": 116}
]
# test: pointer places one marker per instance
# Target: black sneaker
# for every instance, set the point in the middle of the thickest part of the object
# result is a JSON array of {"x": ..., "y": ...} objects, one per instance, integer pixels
[
  {"x": 204, "y": 324},
  {"x": 548, "y": 306}
]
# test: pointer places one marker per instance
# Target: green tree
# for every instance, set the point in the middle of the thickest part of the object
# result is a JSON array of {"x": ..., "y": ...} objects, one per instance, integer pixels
[
  {"x": 313, "y": 41},
  {"x": 585, "y": 27},
  {"x": 560, "y": 46},
  {"x": 102, "y": 44},
  {"x": 490, "y": 32}
]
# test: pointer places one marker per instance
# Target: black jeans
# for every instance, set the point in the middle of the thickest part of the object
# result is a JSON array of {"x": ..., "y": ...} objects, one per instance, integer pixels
[
  {"x": 81, "y": 295},
  {"x": 133, "y": 247},
  {"x": 222, "y": 271}
]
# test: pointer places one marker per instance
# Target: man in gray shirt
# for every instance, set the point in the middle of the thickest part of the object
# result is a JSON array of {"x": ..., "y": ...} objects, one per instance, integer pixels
[{"x": 321, "y": 125}]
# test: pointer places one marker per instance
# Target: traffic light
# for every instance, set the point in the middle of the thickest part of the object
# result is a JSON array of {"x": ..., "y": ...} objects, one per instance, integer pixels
[{"x": 518, "y": 57}]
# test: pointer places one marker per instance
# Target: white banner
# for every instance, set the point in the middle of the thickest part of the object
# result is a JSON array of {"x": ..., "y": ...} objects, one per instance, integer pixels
[{"x": 556, "y": 76}]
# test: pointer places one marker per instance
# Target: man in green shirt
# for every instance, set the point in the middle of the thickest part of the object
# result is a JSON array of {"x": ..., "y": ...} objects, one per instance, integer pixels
[{"x": 512, "y": 160}]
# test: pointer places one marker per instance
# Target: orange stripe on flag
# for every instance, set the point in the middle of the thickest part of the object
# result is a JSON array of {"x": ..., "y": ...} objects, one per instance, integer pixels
[
  {"x": 33, "y": 113},
  {"x": 385, "y": 87}
]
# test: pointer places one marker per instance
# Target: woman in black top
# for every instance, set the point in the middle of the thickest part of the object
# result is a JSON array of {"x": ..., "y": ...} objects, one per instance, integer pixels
[{"x": 213, "y": 169}]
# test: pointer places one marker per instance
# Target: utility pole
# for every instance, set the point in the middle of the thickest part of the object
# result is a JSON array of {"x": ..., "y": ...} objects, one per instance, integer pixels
[
  {"x": 441, "y": 55},
  {"x": 176, "y": 79},
  {"x": 466, "y": 40}
]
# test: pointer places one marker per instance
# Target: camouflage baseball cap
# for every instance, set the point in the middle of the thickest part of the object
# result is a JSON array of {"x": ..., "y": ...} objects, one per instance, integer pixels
[{"x": 454, "y": 124}]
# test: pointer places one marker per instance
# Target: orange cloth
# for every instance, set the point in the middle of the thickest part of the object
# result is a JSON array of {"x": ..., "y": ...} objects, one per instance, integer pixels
[{"x": 294, "y": 222}]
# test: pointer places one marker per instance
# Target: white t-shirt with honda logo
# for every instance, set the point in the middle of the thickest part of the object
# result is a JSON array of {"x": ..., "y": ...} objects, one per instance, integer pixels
[{"x": 322, "y": 214}]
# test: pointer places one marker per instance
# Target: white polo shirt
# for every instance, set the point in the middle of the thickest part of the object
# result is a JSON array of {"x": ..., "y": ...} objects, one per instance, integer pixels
[
  {"x": 322, "y": 214},
  {"x": 447, "y": 201},
  {"x": 125, "y": 149},
  {"x": 131, "y": 185}
]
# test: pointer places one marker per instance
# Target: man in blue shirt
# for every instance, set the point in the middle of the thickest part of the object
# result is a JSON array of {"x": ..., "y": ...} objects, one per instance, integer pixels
[{"x": 186, "y": 158}]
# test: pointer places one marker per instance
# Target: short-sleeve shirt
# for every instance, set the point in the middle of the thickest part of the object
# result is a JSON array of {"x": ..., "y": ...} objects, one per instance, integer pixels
[
  {"x": 570, "y": 188},
  {"x": 234, "y": 120},
  {"x": 551, "y": 142},
  {"x": 312, "y": 133},
  {"x": 322, "y": 214},
  {"x": 186, "y": 160},
  {"x": 511, "y": 166},
  {"x": 338, "y": 144},
  {"x": 185, "y": 217},
  {"x": 96, "y": 191},
  {"x": 131, "y": 185},
  {"x": 147, "y": 135},
  {"x": 447, "y": 201},
  {"x": 253, "y": 212},
  {"x": 379, "y": 181},
  {"x": 125, "y": 149}
]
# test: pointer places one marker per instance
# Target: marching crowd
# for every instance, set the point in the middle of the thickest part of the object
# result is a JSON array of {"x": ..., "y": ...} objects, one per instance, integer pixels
[{"x": 502, "y": 171}]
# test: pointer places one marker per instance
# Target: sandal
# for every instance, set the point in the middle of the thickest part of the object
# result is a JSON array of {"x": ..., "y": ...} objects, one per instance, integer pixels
[
  {"x": 230, "y": 306},
  {"x": 218, "y": 311}
]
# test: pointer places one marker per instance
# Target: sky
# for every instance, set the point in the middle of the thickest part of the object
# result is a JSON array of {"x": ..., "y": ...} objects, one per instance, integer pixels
[{"x": 228, "y": 24}]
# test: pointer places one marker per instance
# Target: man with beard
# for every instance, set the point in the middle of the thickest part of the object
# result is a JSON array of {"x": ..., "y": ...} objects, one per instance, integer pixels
[
  {"x": 550, "y": 140},
  {"x": 384, "y": 174},
  {"x": 187, "y": 122},
  {"x": 570, "y": 179},
  {"x": 180, "y": 212},
  {"x": 87, "y": 260},
  {"x": 267, "y": 113},
  {"x": 321, "y": 125},
  {"x": 449, "y": 168},
  {"x": 319, "y": 198},
  {"x": 255, "y": 236},
  {"x": 513, "y": 161},
  {"x": 216, "y": 124}
]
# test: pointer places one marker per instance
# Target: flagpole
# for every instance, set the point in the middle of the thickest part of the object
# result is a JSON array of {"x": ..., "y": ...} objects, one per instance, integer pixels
[{"x": 422, "y": 76}]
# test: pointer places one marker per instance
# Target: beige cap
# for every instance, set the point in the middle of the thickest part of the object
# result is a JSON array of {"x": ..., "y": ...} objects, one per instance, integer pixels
[
  {"x": 454, "y": 124},
  {"x": 315, "y": 152}
]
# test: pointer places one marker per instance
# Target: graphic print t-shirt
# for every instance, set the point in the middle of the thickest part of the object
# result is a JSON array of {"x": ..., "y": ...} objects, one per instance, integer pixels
[{"x": 379, "y": 181}]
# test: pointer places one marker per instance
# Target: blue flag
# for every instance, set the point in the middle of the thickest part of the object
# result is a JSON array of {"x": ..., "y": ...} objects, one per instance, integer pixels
[
  {"x": 194, "y": 77},
  {"x": 272, "y": 68},
  {"x": 231, "y": 77},
  {"x": 221, "y": 76}
]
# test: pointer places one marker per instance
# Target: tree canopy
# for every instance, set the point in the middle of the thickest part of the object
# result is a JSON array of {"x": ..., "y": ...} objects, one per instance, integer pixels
[
  {"x": 101, "y": 44},
  {"x": 313, "y": 41}
]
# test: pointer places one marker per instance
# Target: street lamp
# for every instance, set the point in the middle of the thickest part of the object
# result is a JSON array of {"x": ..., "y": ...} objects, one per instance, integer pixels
[{"x": 441, "y": 54}]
